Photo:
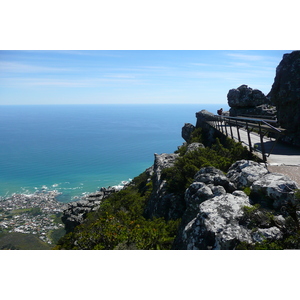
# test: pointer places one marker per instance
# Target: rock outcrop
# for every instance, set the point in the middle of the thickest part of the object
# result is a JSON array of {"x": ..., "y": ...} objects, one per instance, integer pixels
[
  {"x": 216, "y": 215},
  {"x": 75, "y": 212},
  {"x": 194, "y": 146},
  {"x": 216, "y": 225},
  {"x": 187, "y": 131},
  {"x": 244, "y": 172},
  {"x": 203, "y": 116},
  {"x": 285, "y": 94},
  {"x": 162, "y": 203},
  {"x": 277, "y": 188},
  {"x": 247, "y": 101}
]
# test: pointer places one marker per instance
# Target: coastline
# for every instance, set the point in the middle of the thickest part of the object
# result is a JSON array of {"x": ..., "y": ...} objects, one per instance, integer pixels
[
  {"x": 40, "y": 213},
  {"x": 36, "y": 214}
]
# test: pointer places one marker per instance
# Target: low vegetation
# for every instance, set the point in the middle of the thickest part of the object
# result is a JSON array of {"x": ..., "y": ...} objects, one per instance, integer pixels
[
  {"x": 21, "y": 241},
  {"x": 120, "y": 222},
  {"x": 221, "y": 155}
]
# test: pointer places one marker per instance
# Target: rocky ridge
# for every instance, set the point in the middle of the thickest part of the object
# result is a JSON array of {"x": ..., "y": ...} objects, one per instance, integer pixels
[
  {"x": 285, "y": 94},
  {"x": 75, "y": 212},
  {"x": 247, "y": 205}
]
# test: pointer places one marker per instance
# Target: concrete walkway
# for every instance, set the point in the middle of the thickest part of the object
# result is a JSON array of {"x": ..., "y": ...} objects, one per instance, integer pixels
[{"x": 281, "y": 155}]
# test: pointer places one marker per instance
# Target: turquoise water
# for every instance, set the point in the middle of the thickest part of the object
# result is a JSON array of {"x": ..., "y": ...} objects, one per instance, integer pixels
[{"x": 79, "y": 149}]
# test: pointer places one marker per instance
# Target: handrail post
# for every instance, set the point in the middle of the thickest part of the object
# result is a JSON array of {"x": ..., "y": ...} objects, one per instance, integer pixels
[
  {"x": 262, "y": 144},
  {"x": 221, "y": 125},
  {"x": 249, "y": 139},
  {"x": 230, "y": 129},
  {"x": 237, "y": 127},
  {"x": 225, "y": 127}
]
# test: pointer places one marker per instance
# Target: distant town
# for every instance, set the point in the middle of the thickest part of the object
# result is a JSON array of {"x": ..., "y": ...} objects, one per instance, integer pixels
[{"x": 37, "y": 214}]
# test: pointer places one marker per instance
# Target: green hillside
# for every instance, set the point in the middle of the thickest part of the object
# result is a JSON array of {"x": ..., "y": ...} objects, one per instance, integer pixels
[{"x": 21, "y": 241}]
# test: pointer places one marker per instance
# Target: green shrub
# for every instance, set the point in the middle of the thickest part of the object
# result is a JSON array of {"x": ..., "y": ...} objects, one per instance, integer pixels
[
  {"x": 120, "y": 224},
  {"x": 247, "y": 190},
  {"x": 220, "y": 156}
]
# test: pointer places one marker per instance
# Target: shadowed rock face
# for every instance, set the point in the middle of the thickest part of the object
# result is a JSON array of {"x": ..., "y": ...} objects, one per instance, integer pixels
[
  {"x": 247, "y": 101},
  {"x": 245, "y": 96},
  {"x": 162, "y": 203},
  {"x": 186, "y": 131},
  {"x": 76, "y": 211},
  {"x": 285, "y": 94}
]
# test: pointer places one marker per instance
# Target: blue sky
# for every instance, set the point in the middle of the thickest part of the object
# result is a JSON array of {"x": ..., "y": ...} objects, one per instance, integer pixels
[{"x": 129, "y": 77}]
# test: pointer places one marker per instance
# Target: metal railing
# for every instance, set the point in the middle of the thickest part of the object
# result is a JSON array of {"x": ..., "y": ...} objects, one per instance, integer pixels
[{"x": 258, "y": 125}]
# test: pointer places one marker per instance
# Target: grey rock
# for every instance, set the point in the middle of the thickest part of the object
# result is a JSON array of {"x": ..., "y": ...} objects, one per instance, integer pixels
[
  {"x": 216, "y": 226},
  {"x": 196, "y": 194},
  {"x": 247, "y": 101},
  {"x": 162, "y": 161},
  {"x": 285, "y": 94},
  {"x": 203, "y": 116},
  {"x": 211, "y": 175},
  {"x": 267, "y": 234},
  {"x": 218, "y": 190},
  {"x": 241, "y": 194},
  {"x": 161, "y": 202},
  {"x": 279, "y": 221},
  {"x": 244, "y": 172},
  {"x": 75, "y": 212},
  {"x": 278, "y": 188},
  {"x": 186, "y": 131},
  {"x": 206, "y": 185},
  {"x": 194, "y": 146},
  {"x": 265, "y": 110},
  {"x": 245, "y": 96}
]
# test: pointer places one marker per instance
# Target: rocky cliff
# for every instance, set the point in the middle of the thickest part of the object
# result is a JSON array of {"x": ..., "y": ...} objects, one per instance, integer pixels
[
  {"x": 285, "y": 94},
  {"x": 282, "y": 102},
  {"x": 213, "y": 187},
  {"x": 242, "y": 206},
  {"x": 76, "y": 212}
]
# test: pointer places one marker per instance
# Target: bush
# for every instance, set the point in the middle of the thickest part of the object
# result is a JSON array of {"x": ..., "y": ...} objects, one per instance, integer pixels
[
  {"x": 120, "y": 224},
  {"x": 220, "y": 156}
]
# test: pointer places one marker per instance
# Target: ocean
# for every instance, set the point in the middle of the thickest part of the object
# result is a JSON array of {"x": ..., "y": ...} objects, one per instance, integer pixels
[{"x": 77, "y": 149}]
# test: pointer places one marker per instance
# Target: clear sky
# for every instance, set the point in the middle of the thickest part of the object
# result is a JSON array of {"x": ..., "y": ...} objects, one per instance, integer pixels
[{"x": 129, "y": 77}]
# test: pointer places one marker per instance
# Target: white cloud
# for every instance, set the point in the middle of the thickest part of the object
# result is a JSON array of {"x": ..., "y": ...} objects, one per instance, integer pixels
[
  {"x": 56, "y": 82},
  {"x": 246, "y": 57},
  {"x": 13, "y": 67}
]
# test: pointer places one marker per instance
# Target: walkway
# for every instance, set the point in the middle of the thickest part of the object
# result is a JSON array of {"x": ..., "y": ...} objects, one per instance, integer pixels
[
  {"x": 280, "y": 155},
  {"x": 276, "y": 154}
]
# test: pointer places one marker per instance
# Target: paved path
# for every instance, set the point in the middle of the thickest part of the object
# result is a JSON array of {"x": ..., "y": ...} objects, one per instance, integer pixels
[{"x": 281, "y": 155}]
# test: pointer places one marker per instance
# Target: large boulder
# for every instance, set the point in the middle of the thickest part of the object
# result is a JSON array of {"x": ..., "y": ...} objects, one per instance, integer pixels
[
  {"x": 247, "y": 101},
  {"x": 216, "y": 226},
  {"x": 244, "y": 172},
  {"x": 211, "y": 175},
  {"x": 203, "y": 116},
  {"x": 187, "y": 131},
  {"x": 263, "y": 234},
  {"x": 245, "y": 96},
  {"x": 285, "y": 94},
  {"x": 194, "y": 146},
  {"x": 277, "y": 188}
]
